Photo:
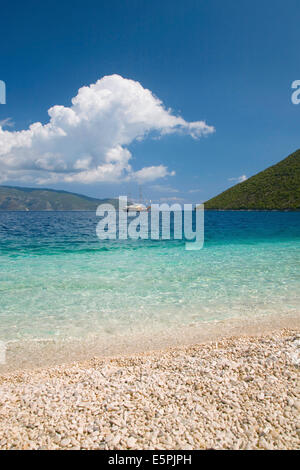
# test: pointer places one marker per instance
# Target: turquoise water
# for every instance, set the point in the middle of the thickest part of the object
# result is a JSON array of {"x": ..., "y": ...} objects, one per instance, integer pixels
[{"x": 57, "y": 280}]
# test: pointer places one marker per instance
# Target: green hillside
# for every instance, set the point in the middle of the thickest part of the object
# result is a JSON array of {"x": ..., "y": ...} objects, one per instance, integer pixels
[
  {"x": 32, "y": 199},
  {"x": 276, "y": 188}
]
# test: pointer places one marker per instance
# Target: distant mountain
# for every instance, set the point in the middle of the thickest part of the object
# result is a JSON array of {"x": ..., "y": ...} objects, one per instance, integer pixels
[
  {"x": 276, "y": 188},
  {"x": 13, "y": 198}
]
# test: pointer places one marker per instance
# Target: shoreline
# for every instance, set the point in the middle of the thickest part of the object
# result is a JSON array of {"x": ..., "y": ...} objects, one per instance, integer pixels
[
  {"x": 239, "y": 392},
  {"x": 252, "y": 210},
  {"x": 41, "y": 353}
]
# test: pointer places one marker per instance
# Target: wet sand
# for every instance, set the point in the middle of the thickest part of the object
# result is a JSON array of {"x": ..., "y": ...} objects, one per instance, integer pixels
[{"x": 21, "y": 355}]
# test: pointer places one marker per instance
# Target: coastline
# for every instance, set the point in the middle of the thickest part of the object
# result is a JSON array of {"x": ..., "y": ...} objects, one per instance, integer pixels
[
  {"x": 41, "y": 353},
  {"x": 252, "y": 210},
  {"x": 236, "y": 392}
]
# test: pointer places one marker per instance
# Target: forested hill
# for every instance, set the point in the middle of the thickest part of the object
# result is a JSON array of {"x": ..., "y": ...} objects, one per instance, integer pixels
[
  {"x": 32, "y": 199},
  {"x": 276, "y": 188}
]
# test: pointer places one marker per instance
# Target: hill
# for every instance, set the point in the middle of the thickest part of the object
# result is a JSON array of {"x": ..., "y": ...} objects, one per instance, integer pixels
[
  {"x": 34, "y": 199},
  {"x": 276, "y": 188}
]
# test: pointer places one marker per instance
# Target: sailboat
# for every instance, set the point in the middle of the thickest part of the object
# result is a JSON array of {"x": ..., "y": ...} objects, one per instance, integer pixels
[{"x": 137, "y": 207}]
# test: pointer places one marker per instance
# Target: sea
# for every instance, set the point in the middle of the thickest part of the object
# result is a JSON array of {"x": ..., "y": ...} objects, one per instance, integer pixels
[{"x": 62, "y": 288}]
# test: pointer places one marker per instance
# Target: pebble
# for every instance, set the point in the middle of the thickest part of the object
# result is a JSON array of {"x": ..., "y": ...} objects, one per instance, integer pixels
[{"x": 242, "y": 393}]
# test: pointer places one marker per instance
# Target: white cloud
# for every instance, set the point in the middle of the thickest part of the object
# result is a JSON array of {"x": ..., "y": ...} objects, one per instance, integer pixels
[
  {"x": 164, "y": 188},
  {"x": 173, "y": 198},
  {"x": 150, "y": 173},
  {"x": 7, "y": 122},
  {"x": 192, "y": 191},
  {"x": 87, "y": 142},
  {"x": 239, "y": 179}
]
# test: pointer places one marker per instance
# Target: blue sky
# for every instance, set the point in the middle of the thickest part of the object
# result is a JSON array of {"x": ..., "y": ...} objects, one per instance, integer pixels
[{"x": 229, "y": 63}]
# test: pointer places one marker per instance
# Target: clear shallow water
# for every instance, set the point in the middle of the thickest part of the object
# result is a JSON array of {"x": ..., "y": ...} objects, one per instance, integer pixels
[{"x": 57, "y": 280}]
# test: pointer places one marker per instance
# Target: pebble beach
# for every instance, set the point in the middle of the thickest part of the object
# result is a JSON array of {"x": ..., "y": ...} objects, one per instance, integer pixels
[{"x": 234, "y": 393}]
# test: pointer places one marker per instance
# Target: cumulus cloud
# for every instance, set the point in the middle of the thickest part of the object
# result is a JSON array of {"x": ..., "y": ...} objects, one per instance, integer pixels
[
  {"x": 150, "y": 173},
  {"x": 88, "y": 141},
  {"x": 239, "y": 179}
]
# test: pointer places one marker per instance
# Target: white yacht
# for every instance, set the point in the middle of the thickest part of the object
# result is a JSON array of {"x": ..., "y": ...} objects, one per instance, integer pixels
[{"x": 135, "y": 208}]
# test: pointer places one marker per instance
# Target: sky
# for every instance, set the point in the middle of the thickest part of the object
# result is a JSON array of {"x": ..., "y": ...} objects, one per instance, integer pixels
[{"x": 182, "y": 99}]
